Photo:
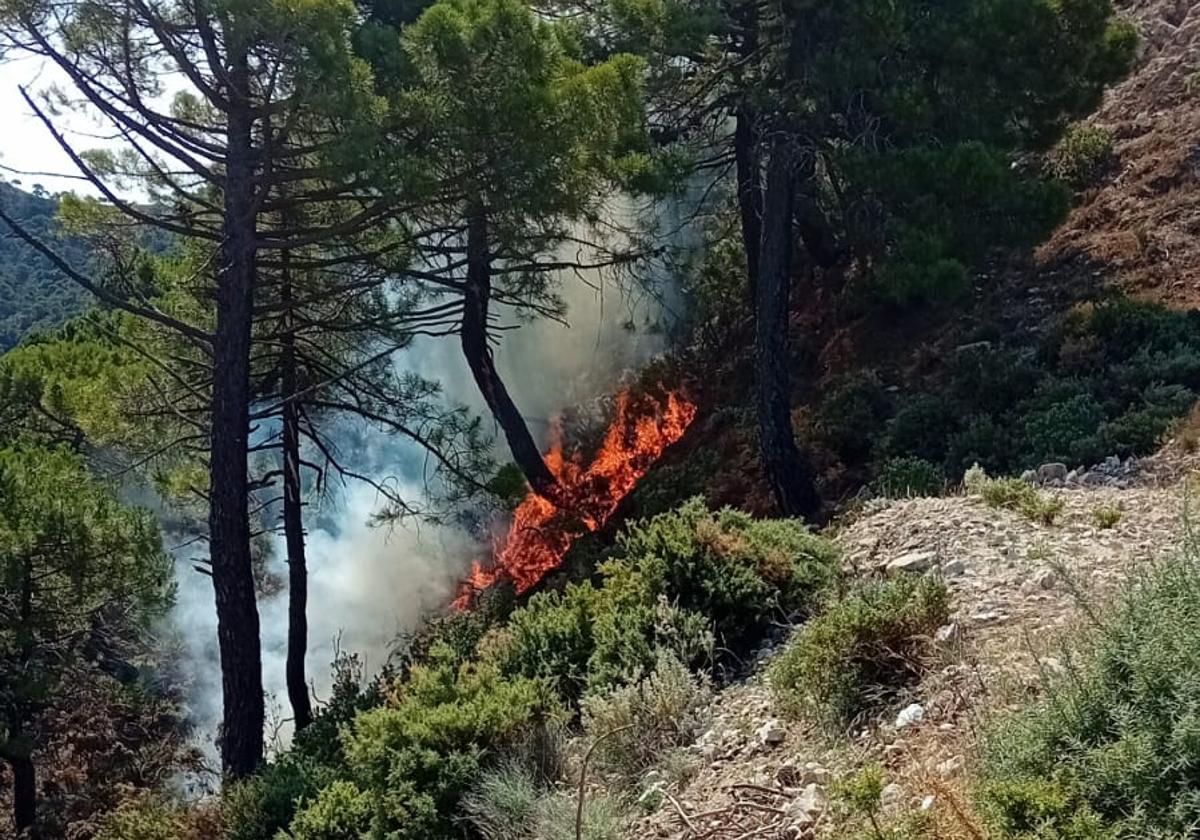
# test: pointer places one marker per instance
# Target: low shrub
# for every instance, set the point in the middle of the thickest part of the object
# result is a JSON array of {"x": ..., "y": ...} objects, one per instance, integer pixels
[
  {"x": 739, "y": 572},
  {"x": 633, "y": 726},
  {"x": 1111, "y": 751},
  {"x": 861, "y": 649},
  {"x": 1107, "y": 516},
  {"x": 1013, "y": 494},
  {"x": 409, "y": 762},
  {"x": 509, "y": 804},
  {"x": 1082, "y": 154},
  {"x": 848, "y": 416},
  {"x": 902, "y": 478}
]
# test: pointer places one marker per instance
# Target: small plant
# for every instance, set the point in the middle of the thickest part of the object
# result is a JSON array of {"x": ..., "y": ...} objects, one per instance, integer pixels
[
  {"x": 509, "y": 804},
  {"x": 1013, "y": 494},
  {"x": 1107, "y": 516},
  {"x": 904, "y": 478},
  {"x": 860, "y": 650},
  {"x": 1082, "y": 154},
  {"x": 635, "y": 725},
  {"x": 860, "y": 793}
]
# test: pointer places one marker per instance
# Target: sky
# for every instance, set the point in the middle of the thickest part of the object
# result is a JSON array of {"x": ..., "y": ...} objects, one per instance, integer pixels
[{"x": 25, "y": 143}]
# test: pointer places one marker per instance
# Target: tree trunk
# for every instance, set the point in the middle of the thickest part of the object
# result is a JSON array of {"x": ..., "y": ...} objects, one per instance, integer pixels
[
  {"x": 749, "y": 195},
  {"x": 787, "y": 469},
  {"x": 478, "y": 353},
  {"x": 293, "y": 519},
  {"x": 24, "y": 795},
  {"x": 228, "y": 520}
]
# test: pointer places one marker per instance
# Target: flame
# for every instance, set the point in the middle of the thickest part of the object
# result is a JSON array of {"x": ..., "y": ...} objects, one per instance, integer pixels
[{"x": 542, "y": 531}]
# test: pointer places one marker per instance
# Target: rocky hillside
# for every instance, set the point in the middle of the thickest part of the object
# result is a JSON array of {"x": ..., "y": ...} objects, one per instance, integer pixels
[
  {"x": 1139, "y": 225},
  {"x": 1020, "y": 589}
]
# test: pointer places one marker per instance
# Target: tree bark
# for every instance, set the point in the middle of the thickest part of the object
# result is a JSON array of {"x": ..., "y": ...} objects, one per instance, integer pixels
[
  {"x": 229, "y": 526},
  {"x": 787, "y": 469},
  {"x": 17, "y": 747},
  {"x": 293, "y": 518},
  {"x": 749, "y": 195},
  {"x": 483, "y": 368},
  {"x": 24, "y": 795}
]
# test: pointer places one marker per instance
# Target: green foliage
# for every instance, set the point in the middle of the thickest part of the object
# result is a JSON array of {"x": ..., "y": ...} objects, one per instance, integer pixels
[
  {"x": 509, "y": 804},
  {"x": 1110, "y": 750},
  {"x": 34, "y": 296},
  {"x": 1013, "y": 494},
  {"x": 259, "y": 807},
  {"x": 1107, "y": 516},
  {"x": 739, "y": 572},
  {"x": 849, "y": 414},
  {"x": 409, "y": 762},
  {"x": 861, "y": 649},
  {"x": 1082, "y": 154},
  {"x": 340, "y": 812},
  {"x": 902, "y": 478},
  {"x": 635, "y": 725},
  {"x": 861, "y": 792}
]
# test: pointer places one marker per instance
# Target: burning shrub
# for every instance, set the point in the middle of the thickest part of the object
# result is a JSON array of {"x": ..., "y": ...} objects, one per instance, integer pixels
[
  {"x": 861, "y": 648},
  {"x": 737, "y": 571}
]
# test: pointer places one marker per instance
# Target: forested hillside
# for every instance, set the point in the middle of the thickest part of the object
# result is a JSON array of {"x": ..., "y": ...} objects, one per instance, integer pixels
[
  {"x": 503, "y": 420},
  {"x": 33, "y": 294}
]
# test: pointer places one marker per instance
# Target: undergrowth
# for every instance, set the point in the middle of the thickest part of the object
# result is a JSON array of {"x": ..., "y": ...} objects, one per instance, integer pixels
[
  {"x": 857, "y": 653},
  {"x": 1112, "y": 750},
  {"x": 1013, "y": 494}
]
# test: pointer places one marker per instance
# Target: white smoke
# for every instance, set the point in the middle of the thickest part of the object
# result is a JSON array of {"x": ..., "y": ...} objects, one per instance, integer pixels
[{"x": 368, "y": 585}]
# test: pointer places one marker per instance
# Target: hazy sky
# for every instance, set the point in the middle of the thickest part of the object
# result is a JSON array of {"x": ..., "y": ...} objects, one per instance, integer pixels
[{"x": 24, "y": 142}]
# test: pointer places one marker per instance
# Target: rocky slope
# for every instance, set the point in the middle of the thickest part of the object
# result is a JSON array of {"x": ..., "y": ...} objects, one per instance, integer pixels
[{"x": 1020, "y": 590}]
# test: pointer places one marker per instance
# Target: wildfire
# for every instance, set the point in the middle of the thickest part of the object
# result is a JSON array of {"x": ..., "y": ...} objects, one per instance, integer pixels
[{"x": 542, "y": 531}]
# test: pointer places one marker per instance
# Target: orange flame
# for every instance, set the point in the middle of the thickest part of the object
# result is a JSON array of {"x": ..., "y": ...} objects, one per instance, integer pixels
[{"x": 542, "y": 531}]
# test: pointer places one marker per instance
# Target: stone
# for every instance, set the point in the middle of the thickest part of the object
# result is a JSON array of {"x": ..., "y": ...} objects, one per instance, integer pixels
[
  {"x": 1029, "y": 476},
  {"x": 928, "y": 802},
  {"x": 950, "y": 766},
  {"x": 954, "y": 568},
  {"x": 913, "y": 562},
  {"x": 1045, "y": 579},
  {"x": 808, "y": 806},
  {"x": 891, "y": 795},
  {"x": 910, "y": 715},
  {"x": 814, "y": 773},
  {"x": 947, "y": 633},
  {"x": 771, "y": 733},
  {"x": 1048, "y": 473}
]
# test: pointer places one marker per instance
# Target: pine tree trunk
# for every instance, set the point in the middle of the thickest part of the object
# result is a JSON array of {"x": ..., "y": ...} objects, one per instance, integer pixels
[
  {"x": 229, "y": 526},
  {"x": 787, "y": 469},
  {"x": 749, "y": 195},
  {"x": 293, "y": 519},
  {"x": 24, "y": 795},
  {"x": 478, "y": 353}
]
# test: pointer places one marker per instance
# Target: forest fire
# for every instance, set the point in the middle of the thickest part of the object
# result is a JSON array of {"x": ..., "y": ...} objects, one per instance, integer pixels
[{"x": 542, "y": 531}]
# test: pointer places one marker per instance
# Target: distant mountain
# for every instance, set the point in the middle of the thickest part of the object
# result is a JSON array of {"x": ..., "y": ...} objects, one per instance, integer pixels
[{"x": 33, "y": 294}]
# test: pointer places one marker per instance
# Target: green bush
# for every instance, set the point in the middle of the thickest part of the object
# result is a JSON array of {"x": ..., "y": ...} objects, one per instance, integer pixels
[
  {"x": 1013, "y": 494},
  {"x": 861, "y": 649},
  {"x": 921, "y": 428},
  {"x": 1065, "y": 429},
  {"x": 1082, "y": 154},
  {"x": 409, "y": 762},
  {"x": 340, "y": 812},
  {"x": 902, "y": 478},
  {"x": 849, "y": 416},
  {"x": 1112, "y": 749},
  {"x": 635, "y": 725},
  {"x": 739, "y": 572},
  {"x": 259, "y": 807}
]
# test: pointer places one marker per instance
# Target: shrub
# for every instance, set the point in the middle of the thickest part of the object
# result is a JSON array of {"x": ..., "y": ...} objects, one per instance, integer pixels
[
  {"x": 1081, "y": 154},
  {"x": 901, "y": 478},
  {"x": 259, "y": 807},
  {"x": 1112, "y": 750},
  {"x": 340, "y": 812},
  {"x": 508, "y": 804},
  {"x": 849, "y": 416},
  {"x": 1064, "y": 430},
  {"x": 985, "y": 441},
  {"x": 1107, "y": 516},
  {"x": 921, "y": 427},
  {"x": 408, "y": 763},
  {"x": 635, "y": 725},
  {"x": 1013, "y": 494},
  {"x": 737, "y": 571},
  {"x": 861, "y": 649}
]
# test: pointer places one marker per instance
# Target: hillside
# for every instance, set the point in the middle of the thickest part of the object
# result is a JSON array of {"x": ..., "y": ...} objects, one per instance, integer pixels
[{"x": 33, "y": 294}]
